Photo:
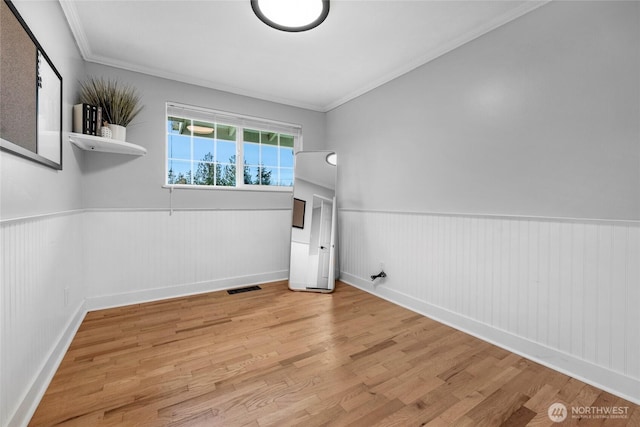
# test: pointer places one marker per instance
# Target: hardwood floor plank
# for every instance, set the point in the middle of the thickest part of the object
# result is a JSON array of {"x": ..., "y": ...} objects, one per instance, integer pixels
[
  {"x": 497, "y": 408},
  {"x": 277, "y": 358},
  {"x": 457, "y": 410},
  {"x": 520, "y": 417}
]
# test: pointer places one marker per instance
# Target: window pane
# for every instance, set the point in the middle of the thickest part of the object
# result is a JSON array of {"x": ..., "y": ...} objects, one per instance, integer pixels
[
  {"x": 251, "y": 135},
  {"x": 205, "y": 173},
  {"x": 269, "y": 138},
  {"x": 179, "y": 147},
  {"x": 179, "y": 172},
  {"x": 270, "y": 162},
  {"x": 286, "y": 141},
  {"x": 203, "y": 149},
  {"x": 250, "y": 174},
  {"x": 251, "y": 154},
  {"x": 227, "y": 133},
  {"x": 227, "y": 175},
  {"x": 269, "y": 155},
  {"x": 175, "y": 125},
  {"x": 286, "y": 177},
  {"x": 226, "y": 151},
  {"x": 286, "y": 157},
  {"x": 265, "y": 176},
  {"x": 260, "y": 176}
]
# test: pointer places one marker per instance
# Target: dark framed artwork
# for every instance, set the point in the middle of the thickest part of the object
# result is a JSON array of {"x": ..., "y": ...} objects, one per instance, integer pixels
[
  {"x": 298, "y": 212},
  {"x": 30, "y": 93}
]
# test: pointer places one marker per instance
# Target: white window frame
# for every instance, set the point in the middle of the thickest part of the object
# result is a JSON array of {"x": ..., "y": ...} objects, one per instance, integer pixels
[{"x": 241, "y": 122}]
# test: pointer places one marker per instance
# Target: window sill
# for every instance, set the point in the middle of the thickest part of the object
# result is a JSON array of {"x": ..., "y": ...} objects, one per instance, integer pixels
[{"x": 265, "y": 189}]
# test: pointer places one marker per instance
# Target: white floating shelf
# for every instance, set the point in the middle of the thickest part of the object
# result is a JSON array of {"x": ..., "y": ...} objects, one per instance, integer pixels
[{"x": 105, "y": 145}]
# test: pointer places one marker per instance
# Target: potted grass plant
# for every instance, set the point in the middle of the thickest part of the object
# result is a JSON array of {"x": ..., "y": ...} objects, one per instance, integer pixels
[{"x": 120, "y": 103}]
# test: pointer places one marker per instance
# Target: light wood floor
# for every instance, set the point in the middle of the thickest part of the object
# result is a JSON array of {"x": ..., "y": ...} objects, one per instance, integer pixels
[{"x": 276, "y": 357}]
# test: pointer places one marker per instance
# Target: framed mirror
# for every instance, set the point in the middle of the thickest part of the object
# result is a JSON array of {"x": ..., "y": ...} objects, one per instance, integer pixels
[
  {"x": 313, "y": 233},
  {"x": 30, "y": 93}
]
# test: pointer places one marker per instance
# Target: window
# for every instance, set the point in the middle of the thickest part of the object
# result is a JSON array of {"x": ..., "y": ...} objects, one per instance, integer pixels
[{"x": 210, "y": 148}]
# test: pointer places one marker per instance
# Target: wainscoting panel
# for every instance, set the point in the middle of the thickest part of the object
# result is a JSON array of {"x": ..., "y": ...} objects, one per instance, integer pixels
[
  {"x": 41, "y": 305},
  {"x": 563, "y": 292},
  {"x": 142, "y": 255}
]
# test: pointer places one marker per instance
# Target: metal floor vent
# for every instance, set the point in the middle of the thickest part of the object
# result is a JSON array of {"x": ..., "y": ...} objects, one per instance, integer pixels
[{"x": 241, "y": 290}]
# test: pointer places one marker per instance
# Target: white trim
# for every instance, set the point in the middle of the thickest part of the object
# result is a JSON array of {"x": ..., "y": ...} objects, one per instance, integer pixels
[
  {"x": 326, "y": 199},
  {"x": 605, "y": 379},
  {"x": 178, "y": 77},
  {"x": 148, "y": 295},
  {"x": 81, "y": 211},
  {"x": 30, "y": 401},
  {"x": 77, "y": 29},
  {"x": 245, "y": 187},
  {"x": 127, "y": 210},
  {"x": 231, "y": 118},
  {"x": 631, "y": 222},
  {"x": 40, "y": 216}
]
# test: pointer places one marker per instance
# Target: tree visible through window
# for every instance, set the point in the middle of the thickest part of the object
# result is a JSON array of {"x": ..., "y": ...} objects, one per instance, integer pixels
[
  {"x": 268, "y": 158},
  {"x": 206, "y": 153}
]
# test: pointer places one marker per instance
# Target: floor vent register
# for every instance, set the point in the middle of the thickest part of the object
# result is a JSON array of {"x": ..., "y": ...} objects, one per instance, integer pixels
[{"x": 242, "y": 290}]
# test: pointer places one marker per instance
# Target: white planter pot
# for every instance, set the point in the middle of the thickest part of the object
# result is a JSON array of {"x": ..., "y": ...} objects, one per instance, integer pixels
[
  {"x": 118, "y": 132},
  {"x": 105, "y": 132}
]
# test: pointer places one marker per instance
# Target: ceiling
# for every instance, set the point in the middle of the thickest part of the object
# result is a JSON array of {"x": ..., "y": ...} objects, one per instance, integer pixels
[{"x": 221, "y": 44}]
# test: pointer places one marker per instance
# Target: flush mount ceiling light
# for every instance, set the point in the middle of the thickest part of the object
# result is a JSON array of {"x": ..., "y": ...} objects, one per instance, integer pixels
[
  {"x": 291, "y": 15},
  {"x": 200, "y": 130},
  {"x": 332, "y": 159}
]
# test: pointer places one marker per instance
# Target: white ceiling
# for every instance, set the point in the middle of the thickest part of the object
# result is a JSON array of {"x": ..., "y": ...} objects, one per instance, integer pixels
[{"x": 221, "y": 44}]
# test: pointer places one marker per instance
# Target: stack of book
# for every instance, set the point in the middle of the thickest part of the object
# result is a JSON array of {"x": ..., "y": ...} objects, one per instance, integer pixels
[{"x": 87, "y": 119}]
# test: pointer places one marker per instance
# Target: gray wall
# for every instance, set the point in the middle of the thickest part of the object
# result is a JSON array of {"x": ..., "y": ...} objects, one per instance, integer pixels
[
  {"x": 41, "y": 272},
  {"x": 26, "y": 187},
  {"x": 539, "y": 117},
  {"x": 120, "y": 181}
]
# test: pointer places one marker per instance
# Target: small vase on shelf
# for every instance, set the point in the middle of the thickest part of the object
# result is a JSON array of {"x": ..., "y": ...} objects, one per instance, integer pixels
[
  {"x": 119, "y": 132},
  {"x": 105, "y": 132}
]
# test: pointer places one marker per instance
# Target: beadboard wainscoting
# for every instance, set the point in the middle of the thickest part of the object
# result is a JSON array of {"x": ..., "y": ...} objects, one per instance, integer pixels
[
  {"x": 41, "y": 305},
  {"x": 134, "y": 256},
  {"x": 562, "y": 292}
]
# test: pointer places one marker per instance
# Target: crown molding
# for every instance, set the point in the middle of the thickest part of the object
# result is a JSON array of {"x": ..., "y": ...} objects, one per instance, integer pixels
[
  {"x": 75, "y": 24},
  {"x": 97, "y": 59}
]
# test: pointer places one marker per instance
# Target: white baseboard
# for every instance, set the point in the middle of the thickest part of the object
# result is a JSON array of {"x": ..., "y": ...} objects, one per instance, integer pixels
[
  {"x": 598, "y": 376},
  {"x": 147, "y": 295},
  {"x": 31, "y": 400}
]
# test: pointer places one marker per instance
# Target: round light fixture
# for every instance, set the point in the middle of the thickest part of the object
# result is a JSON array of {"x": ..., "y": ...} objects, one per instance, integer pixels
[
  {"x": 291, "y": 15},
  {"x": 332, "y": 159}
]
